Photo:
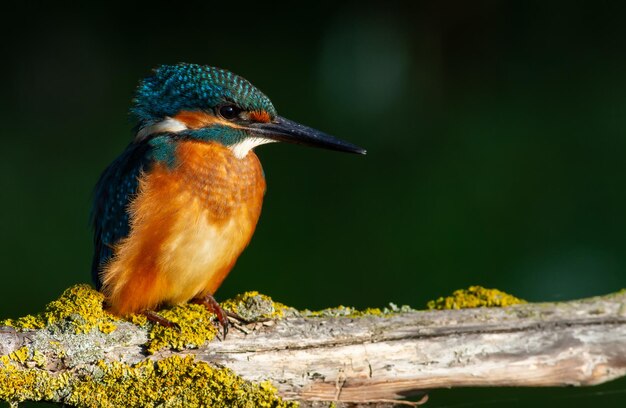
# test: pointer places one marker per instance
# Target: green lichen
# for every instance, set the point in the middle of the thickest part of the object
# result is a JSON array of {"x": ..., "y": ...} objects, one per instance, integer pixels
[
  {"x": 347, "y": 311},
  {"x": 39, "y": 358},
  {"x": 79, "y": 308},
  {"x": 343, "y": 311},
  {"x": 618, "y": 293},
  {"x": 255, "y": 306},
  {"x": 474, "y": 296},
  {"x": 173, "y": 382}
]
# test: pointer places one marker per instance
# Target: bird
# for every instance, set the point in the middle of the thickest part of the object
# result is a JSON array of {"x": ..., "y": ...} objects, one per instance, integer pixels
[{"x": 173, "y": 212}]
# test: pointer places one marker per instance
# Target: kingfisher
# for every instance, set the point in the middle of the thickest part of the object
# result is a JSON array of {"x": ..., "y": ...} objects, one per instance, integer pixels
[{"x": 174, "y": 211}]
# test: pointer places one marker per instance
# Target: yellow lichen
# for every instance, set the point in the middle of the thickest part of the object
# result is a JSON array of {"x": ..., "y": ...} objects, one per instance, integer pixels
[
  {"x": 5, "y": 360},
  {"x": 24, "y": 356},
  {"x": 194, "y": 328},
  {"x": 33, "y": 384},
  {"x": 474, "y": 296},
  {"x": 196, "y": 325},
  {"x": 20, "y": 355},
  {"x": 106, "y": 327},
  {"x": 174, "y": 382},
  {"x": 80, "y": 306},
  {"x": 25, "y": 322}
]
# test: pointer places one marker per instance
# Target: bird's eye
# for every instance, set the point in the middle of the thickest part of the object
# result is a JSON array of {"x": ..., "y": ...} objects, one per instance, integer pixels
[{"x": 229, "y": 111}]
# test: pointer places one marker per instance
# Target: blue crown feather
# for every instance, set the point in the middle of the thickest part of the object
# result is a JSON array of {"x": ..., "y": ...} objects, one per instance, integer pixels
[{"x": 173, "y": 88}]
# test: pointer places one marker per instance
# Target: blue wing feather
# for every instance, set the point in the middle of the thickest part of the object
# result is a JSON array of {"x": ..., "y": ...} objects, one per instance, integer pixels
[{"x": 115, "y": 190}]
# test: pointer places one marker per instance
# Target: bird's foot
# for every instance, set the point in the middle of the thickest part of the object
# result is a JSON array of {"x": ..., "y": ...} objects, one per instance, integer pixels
[
  {"x": 158, "y": 319},
  {"x": 212, "y": 306},
  {"x": 238, "y": 318}
]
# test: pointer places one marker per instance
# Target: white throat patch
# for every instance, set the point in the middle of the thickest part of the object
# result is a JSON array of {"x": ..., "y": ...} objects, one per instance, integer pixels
[
  {"x": 241, "y": 149},
  {"x": 166, "y": 125}
]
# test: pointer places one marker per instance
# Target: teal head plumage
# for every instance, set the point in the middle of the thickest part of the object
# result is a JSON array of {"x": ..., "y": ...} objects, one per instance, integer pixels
[{"x": 174, "y": 88}]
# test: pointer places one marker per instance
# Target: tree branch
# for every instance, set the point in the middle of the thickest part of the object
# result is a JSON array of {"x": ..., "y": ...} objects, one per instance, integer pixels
[{"x": 386, "y": 358}]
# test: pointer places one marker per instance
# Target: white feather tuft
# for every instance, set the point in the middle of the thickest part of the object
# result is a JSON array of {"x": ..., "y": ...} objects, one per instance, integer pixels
[{"x": 166, "y": 125}]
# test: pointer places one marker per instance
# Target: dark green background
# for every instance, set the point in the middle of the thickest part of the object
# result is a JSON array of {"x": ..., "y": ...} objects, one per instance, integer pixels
[{"x": 496, "y": 136}]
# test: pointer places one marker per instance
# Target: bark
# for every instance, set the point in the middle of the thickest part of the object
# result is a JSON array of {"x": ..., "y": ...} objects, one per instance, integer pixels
[{"x": 383, "y": 359}]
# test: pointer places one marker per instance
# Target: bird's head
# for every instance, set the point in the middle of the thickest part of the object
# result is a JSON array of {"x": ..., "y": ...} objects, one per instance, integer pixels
[{"x": 189, "y": 101}]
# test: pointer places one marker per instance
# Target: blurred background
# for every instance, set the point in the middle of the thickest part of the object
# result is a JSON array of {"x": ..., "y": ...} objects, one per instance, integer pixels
[{"x": 496, "y": 136}]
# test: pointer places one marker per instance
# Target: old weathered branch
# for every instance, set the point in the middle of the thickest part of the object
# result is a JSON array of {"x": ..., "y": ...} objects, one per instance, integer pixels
[{"x": 383, "y": 358}]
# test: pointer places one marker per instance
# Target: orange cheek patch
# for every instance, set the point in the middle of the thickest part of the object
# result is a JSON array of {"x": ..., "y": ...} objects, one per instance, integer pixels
[
  {"x": 260, "y": 116},
  {"x": 196, "y": 120}
]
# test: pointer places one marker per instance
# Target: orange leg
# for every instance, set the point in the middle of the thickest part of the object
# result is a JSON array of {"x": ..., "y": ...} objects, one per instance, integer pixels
[
  {"x": 212, "y": 306},
  {"x": 158, "y": 319}
]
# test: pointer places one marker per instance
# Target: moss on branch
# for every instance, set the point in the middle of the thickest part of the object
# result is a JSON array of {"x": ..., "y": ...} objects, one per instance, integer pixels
[
  {"x": 474, "y": 296},
  {"x": 174, "y": 381},
  {"x": 177, "y": 380}
]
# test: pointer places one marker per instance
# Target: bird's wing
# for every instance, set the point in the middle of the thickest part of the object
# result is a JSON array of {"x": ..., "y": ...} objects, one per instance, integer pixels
[{"x": 115, "y": 190}]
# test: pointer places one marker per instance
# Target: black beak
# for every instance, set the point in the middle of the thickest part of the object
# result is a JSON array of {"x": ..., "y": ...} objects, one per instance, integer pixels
[{"x": 285, "y": 130}]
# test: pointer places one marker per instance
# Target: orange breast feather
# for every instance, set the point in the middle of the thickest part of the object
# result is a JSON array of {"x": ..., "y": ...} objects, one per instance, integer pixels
[{"x": 189, "y": 224}]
